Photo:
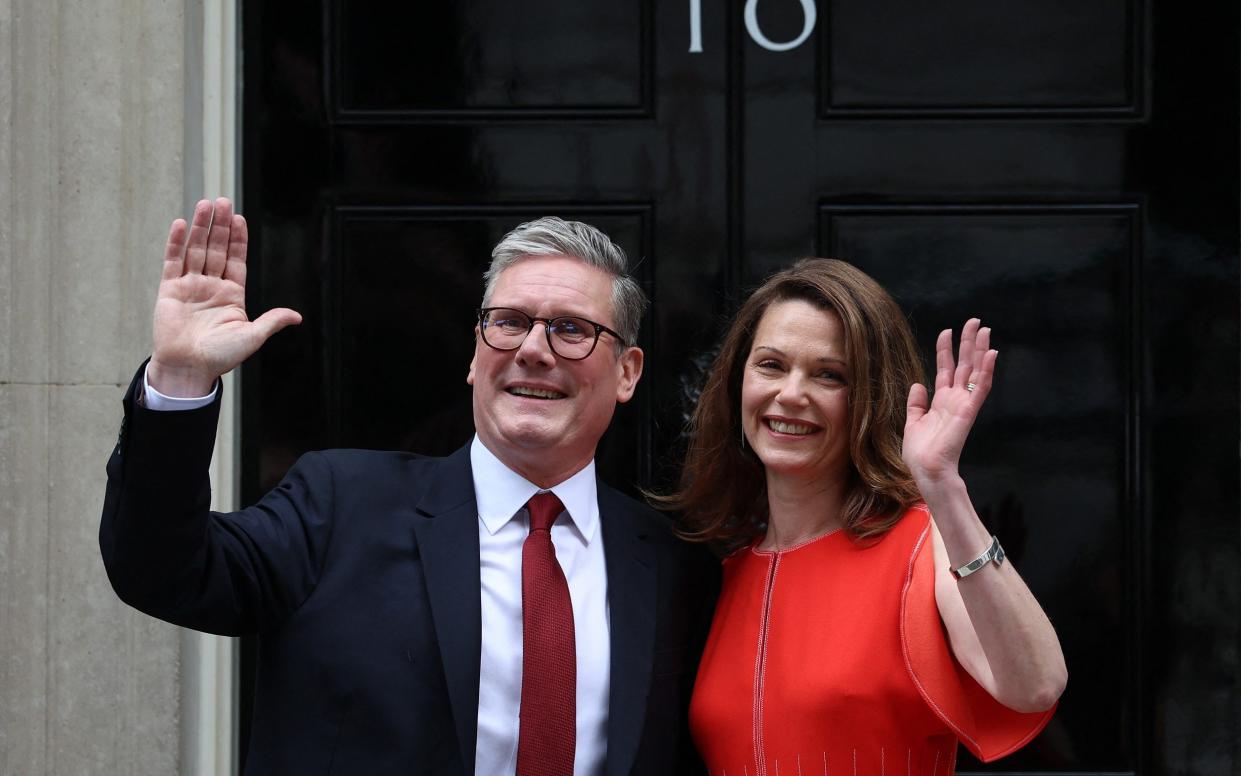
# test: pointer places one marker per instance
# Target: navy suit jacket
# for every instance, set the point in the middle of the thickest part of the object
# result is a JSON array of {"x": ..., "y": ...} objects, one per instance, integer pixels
[{"x": 359, "y": 574}]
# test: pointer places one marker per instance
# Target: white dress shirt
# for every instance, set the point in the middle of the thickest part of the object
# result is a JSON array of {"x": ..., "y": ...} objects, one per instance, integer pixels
[
  {"x": 503, "y": 523},
  {"x": 154, "y": 400}
]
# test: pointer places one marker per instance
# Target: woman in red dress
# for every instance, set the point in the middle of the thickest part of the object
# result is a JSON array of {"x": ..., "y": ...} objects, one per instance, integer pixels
[{"x": 868, "y": 622}]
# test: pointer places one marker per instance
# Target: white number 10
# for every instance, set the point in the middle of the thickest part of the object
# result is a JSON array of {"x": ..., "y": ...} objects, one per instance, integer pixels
[{"x": 809, "y": 14}]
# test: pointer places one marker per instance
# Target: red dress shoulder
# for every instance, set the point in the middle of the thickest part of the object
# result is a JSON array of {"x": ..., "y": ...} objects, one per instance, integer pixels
[{"x": 830, "y": 658}]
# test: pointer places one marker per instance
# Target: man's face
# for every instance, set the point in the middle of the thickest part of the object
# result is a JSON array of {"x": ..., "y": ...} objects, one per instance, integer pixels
[{"x": 550, "y": 436}]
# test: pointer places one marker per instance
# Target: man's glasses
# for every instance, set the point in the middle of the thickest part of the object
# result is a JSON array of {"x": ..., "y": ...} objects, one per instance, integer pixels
[{"x": 504, "y": 328}]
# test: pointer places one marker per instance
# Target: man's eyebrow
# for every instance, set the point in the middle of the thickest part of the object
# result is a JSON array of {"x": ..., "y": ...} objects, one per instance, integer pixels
[
  {"x": 529, "y": 314},
  {"x": 782, "y": 354}
]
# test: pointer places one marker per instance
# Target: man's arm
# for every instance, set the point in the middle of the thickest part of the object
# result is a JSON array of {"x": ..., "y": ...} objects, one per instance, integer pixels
[
  {"x": 164, "y": 551},
  {"x": 168, "y": 555}
]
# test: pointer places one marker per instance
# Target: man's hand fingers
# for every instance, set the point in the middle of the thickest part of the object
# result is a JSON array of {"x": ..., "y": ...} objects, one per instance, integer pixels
[
  {"x": 174, "y": 251},
  {"x": 238, "y": 240},
  {"x": 196, "y": 246},
  {"x": 218, "y": 238}
]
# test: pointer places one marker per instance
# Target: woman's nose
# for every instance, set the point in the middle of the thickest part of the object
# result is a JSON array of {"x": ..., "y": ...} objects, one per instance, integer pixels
[{"x": 792, "y": 390}]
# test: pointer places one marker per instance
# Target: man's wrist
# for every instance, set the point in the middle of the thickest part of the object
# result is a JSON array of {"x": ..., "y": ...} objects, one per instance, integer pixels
[
  {"x": 151, "y": 397},
  {"x": 179, "y": 383}
]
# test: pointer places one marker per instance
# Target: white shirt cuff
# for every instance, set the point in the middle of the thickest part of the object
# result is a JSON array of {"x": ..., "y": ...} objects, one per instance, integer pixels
[{"x": 154, "y": 400}]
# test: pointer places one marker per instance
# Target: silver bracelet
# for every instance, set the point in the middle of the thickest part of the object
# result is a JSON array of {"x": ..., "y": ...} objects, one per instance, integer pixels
[{"x": 994, "y": 554}]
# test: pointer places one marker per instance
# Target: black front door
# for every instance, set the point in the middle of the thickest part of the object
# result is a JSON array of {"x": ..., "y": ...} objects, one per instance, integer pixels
[{"x": 1066, "y": 171}]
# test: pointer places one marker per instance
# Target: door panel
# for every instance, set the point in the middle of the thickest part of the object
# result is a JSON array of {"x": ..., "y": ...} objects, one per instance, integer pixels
[
  {"x": 468, "y": 59},
  {"x": 896, "y": 59},
  {"x": 1066, "y": 171}
]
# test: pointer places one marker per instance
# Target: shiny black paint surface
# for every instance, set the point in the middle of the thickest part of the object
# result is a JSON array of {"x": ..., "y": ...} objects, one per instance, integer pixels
[{"x": 1066, "y": 171}]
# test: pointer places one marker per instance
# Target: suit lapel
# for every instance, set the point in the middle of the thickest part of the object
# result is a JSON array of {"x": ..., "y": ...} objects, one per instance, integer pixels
[
  {"x": 631, "y": 605},
  {"x": 448, "y": 547}
]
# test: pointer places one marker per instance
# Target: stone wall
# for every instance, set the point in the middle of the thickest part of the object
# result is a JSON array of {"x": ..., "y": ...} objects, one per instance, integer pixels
[{"x": 93, "y": 139}]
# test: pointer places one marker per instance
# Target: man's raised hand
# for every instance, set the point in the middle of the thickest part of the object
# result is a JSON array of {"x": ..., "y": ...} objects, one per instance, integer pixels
[{"x": 201, "y": 328}]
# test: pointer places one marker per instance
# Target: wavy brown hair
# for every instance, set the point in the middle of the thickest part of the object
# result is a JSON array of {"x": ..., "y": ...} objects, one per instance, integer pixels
[{"x": 722, "y": 493}]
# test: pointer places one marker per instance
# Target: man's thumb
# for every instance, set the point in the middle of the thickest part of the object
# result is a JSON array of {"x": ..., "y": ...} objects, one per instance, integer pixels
[{"x": 274, "y": 320}]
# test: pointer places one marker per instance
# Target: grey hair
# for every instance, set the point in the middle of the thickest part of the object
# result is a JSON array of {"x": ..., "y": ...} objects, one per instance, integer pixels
[{"x": 551, "y": 236}]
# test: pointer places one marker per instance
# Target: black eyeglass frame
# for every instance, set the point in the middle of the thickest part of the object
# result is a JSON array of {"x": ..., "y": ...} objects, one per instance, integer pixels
[{"x": 548, "y": 323}]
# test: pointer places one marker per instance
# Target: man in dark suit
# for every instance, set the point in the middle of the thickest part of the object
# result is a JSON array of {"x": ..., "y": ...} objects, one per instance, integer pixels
[{"x": 498, "y": 611}]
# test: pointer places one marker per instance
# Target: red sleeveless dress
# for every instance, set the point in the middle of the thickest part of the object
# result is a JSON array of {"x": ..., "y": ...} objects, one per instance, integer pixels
[{"x": 830, "y": 658}]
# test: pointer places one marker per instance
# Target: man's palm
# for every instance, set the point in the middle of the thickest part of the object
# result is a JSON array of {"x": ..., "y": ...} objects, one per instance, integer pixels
[{"x": 201, "y": 327}]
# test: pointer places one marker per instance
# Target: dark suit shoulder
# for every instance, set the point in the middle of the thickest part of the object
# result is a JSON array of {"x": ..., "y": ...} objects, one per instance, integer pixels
[
  {"x": 658, "y": 526},
  {"x": 396, "y": 479},
  {"x": 642, "y": 513},
  {"x": 354, "y": 458},
  {"x": 378, "y": 464}
]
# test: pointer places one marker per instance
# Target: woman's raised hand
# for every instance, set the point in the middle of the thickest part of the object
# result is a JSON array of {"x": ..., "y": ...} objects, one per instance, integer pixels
[
  {"x": 201, "y": 327},
  {"x": 936, "y": 427}
]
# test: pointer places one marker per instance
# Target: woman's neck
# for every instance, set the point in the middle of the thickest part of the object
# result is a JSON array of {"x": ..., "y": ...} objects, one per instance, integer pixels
[{"x": 801, "y": 509}]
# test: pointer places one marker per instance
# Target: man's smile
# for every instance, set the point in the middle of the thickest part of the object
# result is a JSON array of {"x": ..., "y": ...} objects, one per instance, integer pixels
[{"x": 532, "y": 392}]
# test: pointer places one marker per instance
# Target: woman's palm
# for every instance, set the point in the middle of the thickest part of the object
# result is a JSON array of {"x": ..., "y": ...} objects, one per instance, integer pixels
[{"x": 936, "y": 427}]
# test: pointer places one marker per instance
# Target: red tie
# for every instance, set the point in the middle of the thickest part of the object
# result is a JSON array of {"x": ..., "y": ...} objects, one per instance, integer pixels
[{"x": 548, "y": 728}]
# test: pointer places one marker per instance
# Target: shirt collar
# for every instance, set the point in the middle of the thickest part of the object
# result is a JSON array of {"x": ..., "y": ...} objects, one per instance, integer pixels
[{"x": 501, "y": 493}]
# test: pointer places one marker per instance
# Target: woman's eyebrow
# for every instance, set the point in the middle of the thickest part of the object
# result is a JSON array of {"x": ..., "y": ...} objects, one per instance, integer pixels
[{"x": 782, "y": 354}]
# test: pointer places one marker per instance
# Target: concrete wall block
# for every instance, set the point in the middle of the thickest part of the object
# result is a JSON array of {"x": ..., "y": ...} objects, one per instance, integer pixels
[
  {"x": 119, "y": 169},
  {"x": 29, "y": 204},
  {"x": 90, "y": 167},
  {"x": 113, "y": 672},
  {"x": 153, "y": 138},
  {"x": 6, "y": 185},
  {"x": 93, "y": 131},
  {"x": 23, "y": 578}
]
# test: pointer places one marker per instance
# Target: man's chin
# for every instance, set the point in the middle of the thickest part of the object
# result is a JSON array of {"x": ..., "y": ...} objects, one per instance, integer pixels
[{"x": 532, "y": 436}]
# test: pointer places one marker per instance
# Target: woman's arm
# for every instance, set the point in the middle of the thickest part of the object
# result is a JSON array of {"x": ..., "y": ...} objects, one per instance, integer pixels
[{"x": 997, "y": 629}]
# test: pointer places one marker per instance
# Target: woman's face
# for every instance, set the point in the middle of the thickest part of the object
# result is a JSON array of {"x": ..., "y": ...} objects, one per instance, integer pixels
[{"x": 795, "y": 392}]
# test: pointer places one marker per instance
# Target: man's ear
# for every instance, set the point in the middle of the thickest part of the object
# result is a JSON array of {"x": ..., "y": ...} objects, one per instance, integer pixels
[
  {"x": 469, "y": 376},
  {"x": 629, "y": 368}
]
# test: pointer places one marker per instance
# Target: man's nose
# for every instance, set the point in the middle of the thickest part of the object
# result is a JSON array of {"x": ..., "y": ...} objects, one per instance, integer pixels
[{"x": 534, "y": 348}]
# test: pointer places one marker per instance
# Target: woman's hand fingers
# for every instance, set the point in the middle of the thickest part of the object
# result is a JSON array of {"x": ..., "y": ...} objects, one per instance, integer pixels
[
  {"x": 984, "y": 375},
  {"x": 943, "y": 361},
  {"x": 982, "y": 347},
  {"x": 965, "y": 359},
  {"x": 916, "y": 405}
]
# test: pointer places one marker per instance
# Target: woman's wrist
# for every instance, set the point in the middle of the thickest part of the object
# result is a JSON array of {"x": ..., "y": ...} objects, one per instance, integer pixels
[
  {"x": 949, "y": 501},
  {"x": 941, "y": 487}
]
